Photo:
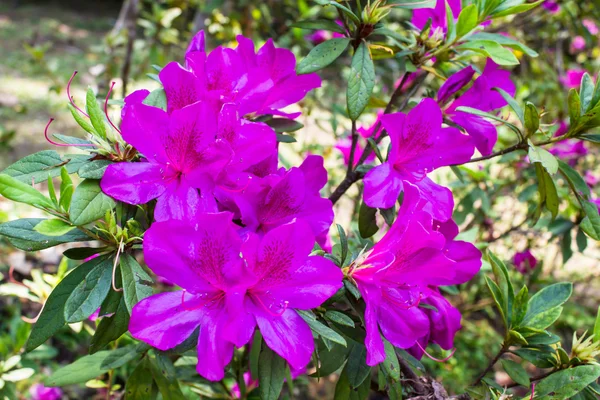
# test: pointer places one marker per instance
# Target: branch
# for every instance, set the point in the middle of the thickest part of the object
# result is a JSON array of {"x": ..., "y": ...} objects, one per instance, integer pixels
[
  {"x": 534, "y": 379},
  {"x": 493, "y": 362},
  {"x": 412, "y": 378},
  {"x": 353, "y": 175}
]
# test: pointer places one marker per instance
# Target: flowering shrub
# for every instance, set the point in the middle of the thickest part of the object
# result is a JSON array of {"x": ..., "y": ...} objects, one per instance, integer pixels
[{"x": 262, "y": 288}]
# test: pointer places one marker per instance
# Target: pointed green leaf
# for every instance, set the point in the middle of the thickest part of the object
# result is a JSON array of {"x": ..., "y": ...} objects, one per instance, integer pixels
[
  {"x": 21, "y": 192},
  {"x": 136, "y": 282},
  {"x": 53, "y": 227},
  {"x": 89, "y": 203},
  {"x": 89, "y": 294},
  {"x": 322, "y": 55},
  {"x": 96, "y": 114},
  {"x": 516, "y": 372},
  {"x": 361, "y": 81}
]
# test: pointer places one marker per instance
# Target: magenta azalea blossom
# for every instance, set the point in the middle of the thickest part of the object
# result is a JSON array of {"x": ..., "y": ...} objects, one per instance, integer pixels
[
  {"x": 437, "y": 15},
  {"x": 280, "y": 197},
  {"x": 344, "y": 145},
  {"x": 573, "y": 78},
  {"x": 480, "y": 96},
  {"x": 419, "y": 145},
  {"x": 403, "y": 269},
  {"x": 231, "y": 286},
  {"x": 260, "y": 82},
  {"x": 41, "y": 392},
  {"x": 525, "y": 261},
  {"x": 185, "y": 152},
  {"x": 551, "y": 6}
]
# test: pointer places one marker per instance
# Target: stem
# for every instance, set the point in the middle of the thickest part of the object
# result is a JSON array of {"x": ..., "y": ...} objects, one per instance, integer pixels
[
  {"x": 493, "y": 362},
  {"x": 354, "y": 175},
  {"x": 352, "y": 149},
  {"x": 410, "y": 377},
  {"x": 109, "y": 384}
]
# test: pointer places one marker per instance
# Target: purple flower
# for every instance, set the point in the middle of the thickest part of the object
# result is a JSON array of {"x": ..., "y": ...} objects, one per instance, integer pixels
[
  {"x": 230, "y": 287},
  {"x": 248, "y": 381},
  {"x": 570, "y": 150},
  {"x": 437, "y": 15},
  {"x": 573, "y": 78},
  {"x": 260, "y": 82},
  {"x": 591, "y": 26},
  {"x": 419, "y": 145},
  {"x": 41, "y": 392},
  {"x": 480, "y": 96},
  {"x": 186, "y": 150},
  {"x": 280, "y": 197},
  {"x": 591, "y": 179},
  {"x": 402, "y": 270},
  {"x": 319, "y": 36},
  {"x": 577, "y": 44},
  {"x": 551, "y": 6},
  {"x": 344, "y": 145},
  {"x": 524, "y": 261}
]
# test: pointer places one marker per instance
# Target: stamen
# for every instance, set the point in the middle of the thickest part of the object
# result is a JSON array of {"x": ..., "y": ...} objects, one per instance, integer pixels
[
  {"x": 532, "y": 391},
  {"x": 219, "y": 295},
  {"x": 404, "y": 306},
  {"x": 61, "y": 144},
  {"x": 70, "y": 97},
  {"x": 11, "y": 277},
  {"x": 432, "y": 357},
  {"x": 115, "y": 268},
  {"x": 279, "y": 314},
  {"x": 106, "y": 109},
  {"x": 232, "y": 190}
]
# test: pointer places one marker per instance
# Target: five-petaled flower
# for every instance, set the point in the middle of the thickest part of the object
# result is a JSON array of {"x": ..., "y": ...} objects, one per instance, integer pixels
[
  {"x": 419, "y": 144},
  {"x": 232, "y": 285},
  {"x": 404, "y": 269}
]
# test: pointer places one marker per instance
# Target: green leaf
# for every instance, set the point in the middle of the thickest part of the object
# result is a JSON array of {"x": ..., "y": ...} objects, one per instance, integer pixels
[
  {"x": 547, "y": 299},
  {"x": 319, "y": 24},
  {"x": 538, "y": 357},
  {"x": 96, "y": 114},
  {"x": 495, "y": 51},
  {"x": 281, "y": 138},
  {"x": 81, "y": 121},
  {"x": 163, "y": 373},
  {"x": 330, "y": 359},
  {"x": 574, "y": 106},
  {"x": 576, "y": 182},
  {"x": 140, "y": 385},
  {"x": 89, "y": 203},
  {"x": 412, "y": 4},
  {"x": 21, "y": 234},
  {"x": 590, "y": 137},
  {"x": 66, "y": 189},
  {"x": 53, "y": 227},
  {"x": 504, "y": 284},
  {"x": 504, "y": 10},
  {"x": 281, "y": 125},
  {"x": 516, "y": 372},
  {"x": 339, "y": 318},
  {"x": 52, "y": 318},
  {"x": 597, "y": 326},
  {"x": 532, "y": 119},
  {"x": 94, "y": 169},
  {"x": 89, "y": 294},
  {"x": 135, "y": 281},
  {"x": 255, "y": 354},
  {"x": 520, "y": 306},
  {"x": 512, "y": 103},
  {"x": 391, "y": 365},
  {"x": 591, "y": 223},
  {"x": 361, "y": 81},
  {"x": 121, "y": 356},
  {"x": 567, "y": 383},
  {"x": 367, "y": 224},
  {"x": 322, "y": 55},
  {"x": 586, "y": 93},
  {"x": 52, "y": 192},
  {"x": 451, "y": 30},
  {"x": 320, "y": 328},
  {"x": 498, "y": 298},
  {"x": 73, "y": 141},
  {"x": 356, "y": 368},
  {"x": 39, "y": 166},
  {"x": 82, "y": 370},
  {"x": 345, "y": 391},
  {"x": 110, "y": 328},
  {"x": 271, "y": 372},
  {"x": 81, "y": 253},
  {"x": 467, "y": 20},
  {"x": 156, "y": 98},
  {"x": 343, "y": 243},
  {"x": 505, "y": 41},
  {"x": 544, "y": 157},
  {"x": 17, "y": 375},
  {"x": 21, "y": 192},
  {"x": 547, "y": 189},
  {"x": 546, "y": 338}
]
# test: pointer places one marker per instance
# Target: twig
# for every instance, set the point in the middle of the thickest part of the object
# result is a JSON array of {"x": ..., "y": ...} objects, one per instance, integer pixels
[
  {"x": 131, "y": 33},
  {"x": 493, "y": 362},
  {"x": 411, "y": 377},
  {"x": 534, "y": 379}
]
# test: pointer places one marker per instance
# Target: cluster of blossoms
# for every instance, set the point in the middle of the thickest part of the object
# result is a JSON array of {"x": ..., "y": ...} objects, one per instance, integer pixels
[{"x": 236, "y": 233}]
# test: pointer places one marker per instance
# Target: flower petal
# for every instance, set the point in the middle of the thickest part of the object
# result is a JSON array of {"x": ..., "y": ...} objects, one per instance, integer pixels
[
  {"x": 382, "y": 186},
  {"x": 214, "y": 352},
  {"x": 484, "y": 133},
  {"x": 143, "y": 126},
  {"x": 439, "y": 201},
  {"x": 163, "y": 320},
  {"x": 133, "y": 183},
  {"x": 182, "y": 87}
]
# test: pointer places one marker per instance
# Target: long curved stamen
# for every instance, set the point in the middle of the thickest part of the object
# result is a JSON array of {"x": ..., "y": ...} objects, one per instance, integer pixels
[
  {"x": 60, "y": 144},
  {"x": 216, "y": 297},
  {"x": 532, "y": 390},
  {"x": 71, "y": 98},
  {"x": 235, "y": 190},
  {"x": 106, "y": 108},
  {"x": 11, "y": 277},
  {"x": 432, "y": 357},
  {"x": 279, "y": 314}
]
